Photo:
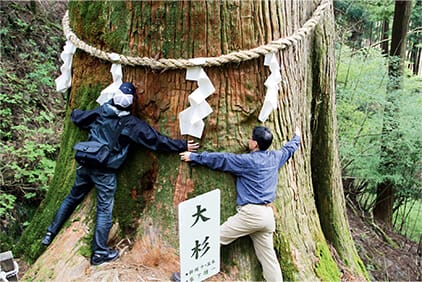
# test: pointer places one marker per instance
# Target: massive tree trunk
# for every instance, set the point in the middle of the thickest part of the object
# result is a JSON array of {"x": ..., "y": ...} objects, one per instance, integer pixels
[
  {"x": 312, "y": 238},
  {"x": 390, "y": 153}
]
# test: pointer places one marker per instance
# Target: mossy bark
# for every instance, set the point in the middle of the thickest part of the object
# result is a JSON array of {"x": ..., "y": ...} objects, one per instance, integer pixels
[
  {"x": 326, "y": 171},
  {"x": 151, "y": 184}
]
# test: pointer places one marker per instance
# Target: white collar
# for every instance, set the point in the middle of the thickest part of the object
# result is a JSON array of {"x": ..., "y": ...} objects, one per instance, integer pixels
[{"x": 118, "y": 112}]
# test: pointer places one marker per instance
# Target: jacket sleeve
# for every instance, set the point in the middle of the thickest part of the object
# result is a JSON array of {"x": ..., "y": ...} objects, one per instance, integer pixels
[
  {"x": 226, "y": 162},
  {"x": 288, "y": 149},
  {"x": 83, "y": 118},
  {"x": 143, "y": 134}
]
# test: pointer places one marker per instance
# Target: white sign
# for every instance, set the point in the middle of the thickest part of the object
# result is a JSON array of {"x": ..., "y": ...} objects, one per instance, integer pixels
[{"x": 199, "y": 237}]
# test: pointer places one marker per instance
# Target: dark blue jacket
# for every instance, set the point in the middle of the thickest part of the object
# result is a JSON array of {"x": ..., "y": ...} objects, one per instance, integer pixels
[{"x": 103, "y": 123}]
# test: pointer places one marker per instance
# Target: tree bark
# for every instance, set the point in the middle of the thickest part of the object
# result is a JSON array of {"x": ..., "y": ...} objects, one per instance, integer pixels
[
  {"x": 310, "y": 203},
  {"x": 383, "y": 209}
]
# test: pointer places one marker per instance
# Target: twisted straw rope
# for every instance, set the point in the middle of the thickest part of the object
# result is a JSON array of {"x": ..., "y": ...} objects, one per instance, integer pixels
[{"x": 233, "y": 57}]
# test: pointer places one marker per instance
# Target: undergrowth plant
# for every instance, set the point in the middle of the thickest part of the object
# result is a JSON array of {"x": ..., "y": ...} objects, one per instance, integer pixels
[{"x": 31, "y": 113}]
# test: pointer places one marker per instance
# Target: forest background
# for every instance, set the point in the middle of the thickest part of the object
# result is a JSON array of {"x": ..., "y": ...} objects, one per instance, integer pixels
[{"x": 32, "y": 112}]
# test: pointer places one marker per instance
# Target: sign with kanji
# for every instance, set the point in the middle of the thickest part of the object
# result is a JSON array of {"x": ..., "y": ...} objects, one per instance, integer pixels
[{"x": 199, "y": 237}]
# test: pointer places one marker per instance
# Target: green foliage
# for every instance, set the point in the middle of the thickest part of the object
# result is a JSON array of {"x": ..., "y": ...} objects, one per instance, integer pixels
[
  {"x": 407, "y": 219},
  {"x": 361, "y": 23},
  {"x": 357, "y": 20},
  {"x": 27, "y": 154},
  {"x": 415, "y": 33},
  {"x": 361, "y": 99},
  {"x": 29, "y": 114},
  {"x": 7, "y": 202},
  {"x": 361, "y": 83}
]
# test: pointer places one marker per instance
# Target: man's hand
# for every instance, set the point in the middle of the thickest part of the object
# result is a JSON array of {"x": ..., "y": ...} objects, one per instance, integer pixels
[
  {"x": 185, "y": 156},
  {"x": 297, "y": 131},
  {"x": 192, "y": 146}
]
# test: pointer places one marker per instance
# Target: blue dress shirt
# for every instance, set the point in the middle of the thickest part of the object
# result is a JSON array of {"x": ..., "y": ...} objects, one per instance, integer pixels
[{"x": 256, "y": 172}]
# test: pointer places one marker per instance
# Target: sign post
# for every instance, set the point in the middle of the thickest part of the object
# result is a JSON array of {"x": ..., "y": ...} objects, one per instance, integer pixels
[{"x": 199, "y": 237}]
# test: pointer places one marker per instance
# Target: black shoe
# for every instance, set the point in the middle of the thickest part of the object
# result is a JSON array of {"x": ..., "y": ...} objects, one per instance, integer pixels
[
  {"x": 98, "y": 259},
  {"x": 48, "y": 238},
  {"x": 175, "y": 277}
]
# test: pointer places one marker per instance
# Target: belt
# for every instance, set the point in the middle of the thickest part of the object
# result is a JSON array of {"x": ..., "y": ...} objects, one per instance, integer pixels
[{"x": 263, "y": 204}]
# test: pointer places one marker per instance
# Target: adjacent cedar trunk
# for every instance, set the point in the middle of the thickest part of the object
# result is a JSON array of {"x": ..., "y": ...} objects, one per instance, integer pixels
[
  {"x": 383, "y": 209},
  {"x": 312, "y": 240}
]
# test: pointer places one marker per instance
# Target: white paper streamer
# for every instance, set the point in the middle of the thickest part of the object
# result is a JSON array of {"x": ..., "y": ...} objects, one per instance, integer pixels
[
  {"x": 191, "y": 119},
  {"x": 64, "y": 81},
  {"x": 108, "y": 93},
  {"x": 272, "y": 84}
]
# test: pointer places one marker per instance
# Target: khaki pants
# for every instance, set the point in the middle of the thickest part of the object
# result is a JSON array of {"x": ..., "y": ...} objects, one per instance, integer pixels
[{"x": 258, "y": 222}]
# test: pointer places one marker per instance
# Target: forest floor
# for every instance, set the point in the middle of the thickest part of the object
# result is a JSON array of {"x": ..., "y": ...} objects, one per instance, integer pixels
[
  {"x": 397, "y": 260},
  {"x": 393, "y": 259}
]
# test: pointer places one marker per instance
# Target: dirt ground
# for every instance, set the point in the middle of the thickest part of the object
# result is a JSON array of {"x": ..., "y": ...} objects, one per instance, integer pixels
[{"x": 399, "y": 260}]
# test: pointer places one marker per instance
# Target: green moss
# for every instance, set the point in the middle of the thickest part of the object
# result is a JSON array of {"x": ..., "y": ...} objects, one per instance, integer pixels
[
  {"x": 326, "y": 268},
  {"x": 106, "y": 23},
  {"x": 362, "y": 268},
  {"x": 82, "y": 12},
  {"x": 85, "y": 250},
  {"x": 283, "y": 249},
  {"x": 86, "y": 96},
  {"x": 172, "y": 43},
  {"x": 144, "y": 16},
  {"x": 116, "y": 37}
]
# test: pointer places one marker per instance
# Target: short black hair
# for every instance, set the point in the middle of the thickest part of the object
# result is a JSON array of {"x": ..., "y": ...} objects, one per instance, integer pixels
[{"x": 263, "y": 136}]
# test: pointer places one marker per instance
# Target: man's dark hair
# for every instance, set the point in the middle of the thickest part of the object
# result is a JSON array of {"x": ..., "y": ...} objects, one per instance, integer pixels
[{"x": 263, "y": 136}]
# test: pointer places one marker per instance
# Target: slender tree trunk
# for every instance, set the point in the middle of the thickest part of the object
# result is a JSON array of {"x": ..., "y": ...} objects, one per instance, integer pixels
[
  {"x": 414, "y": 38},
  {"x": 383, "y": 209},
  {"x": 384, "y": 36},
  {"x": 419, "y": 62},
  {"x": 326, "y": 171},
  {"x": 152, "y": 184}
]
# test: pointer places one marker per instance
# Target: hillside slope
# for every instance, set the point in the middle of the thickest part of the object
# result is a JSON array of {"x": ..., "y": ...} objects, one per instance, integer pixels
[{"x": 383, "y": 261}]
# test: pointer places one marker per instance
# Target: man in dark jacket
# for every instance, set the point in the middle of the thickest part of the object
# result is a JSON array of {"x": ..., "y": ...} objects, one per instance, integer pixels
[
  {"x": 256, "y": 184},
  {"x": 112, "y": 124}
]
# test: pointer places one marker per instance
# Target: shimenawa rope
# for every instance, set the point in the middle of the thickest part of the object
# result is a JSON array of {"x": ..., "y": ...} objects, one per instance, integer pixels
[{"x": 233, "y": 57}]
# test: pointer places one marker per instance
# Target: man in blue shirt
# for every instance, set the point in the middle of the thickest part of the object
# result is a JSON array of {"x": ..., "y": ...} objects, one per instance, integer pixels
[{"x": 256, "y": 185}]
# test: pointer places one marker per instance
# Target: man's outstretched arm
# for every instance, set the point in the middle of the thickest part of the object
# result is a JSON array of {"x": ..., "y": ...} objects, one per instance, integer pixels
[{"x": 142, "y": 133}]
